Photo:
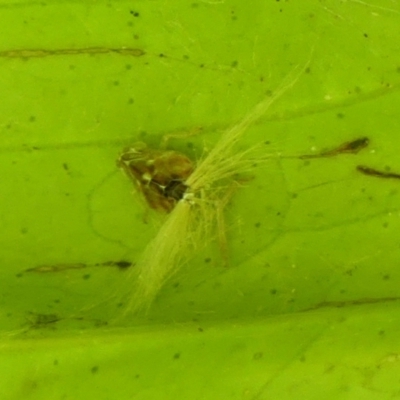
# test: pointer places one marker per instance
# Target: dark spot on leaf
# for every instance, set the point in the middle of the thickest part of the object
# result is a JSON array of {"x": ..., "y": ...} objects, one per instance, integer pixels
[{"x": 122, "y": 264}]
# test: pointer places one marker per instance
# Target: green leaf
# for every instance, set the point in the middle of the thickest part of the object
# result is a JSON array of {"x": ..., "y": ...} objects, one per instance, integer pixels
[{"x": 307, "y": 307}]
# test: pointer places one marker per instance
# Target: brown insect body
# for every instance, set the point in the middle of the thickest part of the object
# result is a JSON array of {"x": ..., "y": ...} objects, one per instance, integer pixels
[{"x": 159, "y": 175}]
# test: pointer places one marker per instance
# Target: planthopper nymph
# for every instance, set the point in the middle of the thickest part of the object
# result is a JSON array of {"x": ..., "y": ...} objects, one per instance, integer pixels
[
  {"x": 159, "y": 175},
  {"x": 192, "y": 194}
]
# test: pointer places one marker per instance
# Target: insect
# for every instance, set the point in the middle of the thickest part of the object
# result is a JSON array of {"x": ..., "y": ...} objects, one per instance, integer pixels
[
  {"x": 159, "y": 175},
  {"x": 193, "y": 195}
]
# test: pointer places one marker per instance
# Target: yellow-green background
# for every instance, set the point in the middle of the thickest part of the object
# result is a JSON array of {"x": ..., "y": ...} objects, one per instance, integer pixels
[{"x": 308, "y": 307}]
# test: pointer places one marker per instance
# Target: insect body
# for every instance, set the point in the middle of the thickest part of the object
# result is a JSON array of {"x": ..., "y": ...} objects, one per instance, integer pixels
[{"x": 159, "y": 175}]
